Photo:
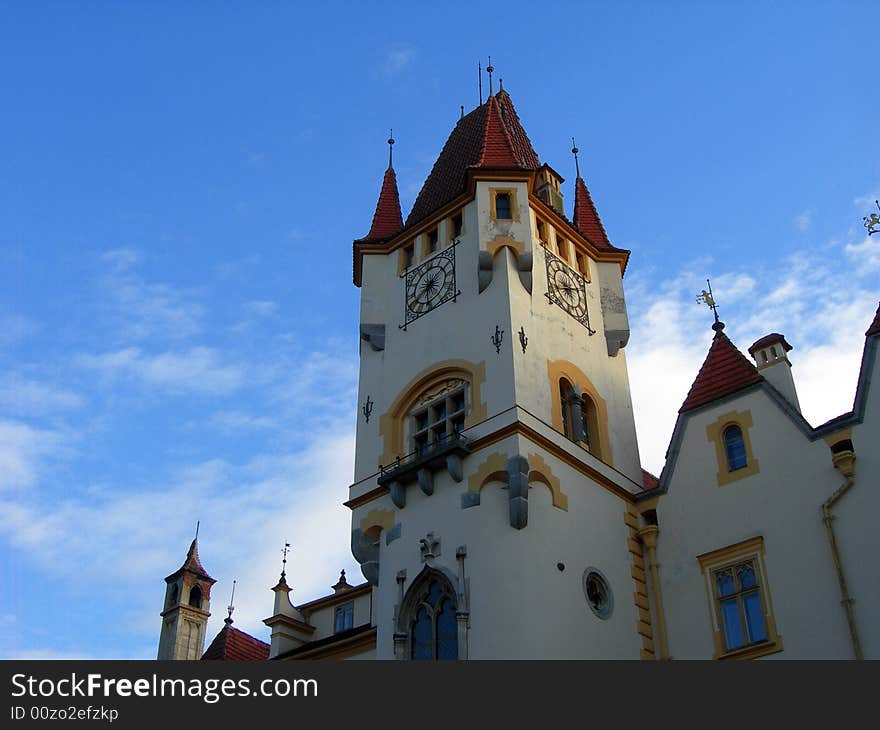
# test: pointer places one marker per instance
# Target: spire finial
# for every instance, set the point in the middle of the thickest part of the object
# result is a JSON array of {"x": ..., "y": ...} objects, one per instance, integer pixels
[
  {"x": 707, "y": 298},
  {"x": 480, "y": 81},
  {"x": 500, "y": 84},
  {"x": 231, "y": 607},
  {"x": 462, "y": 112},
  {"x": 198, "y": 522},
  {"x": 391, "y": 149},
  {"x": 574, "y": 151},
  {"x": 284, "y": 551},
  {"x": 489, "y": 69}
]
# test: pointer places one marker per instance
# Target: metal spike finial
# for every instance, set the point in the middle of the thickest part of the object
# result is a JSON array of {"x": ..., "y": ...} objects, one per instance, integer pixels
[
  {"x": 462, "y": 112},
  {"x": 500, "y": 84},
  {"x": 198, "y": 522},
  {"x": 707, "y": 298},
  {"x": 284, "y": 551},
  {"x": 480, "y": 81},
  {"x": 391, "y": 149},
  {"x": 489, "y": 69},
  {"x": 231, "y": 607},
  {"x": 574, "y": 151}
]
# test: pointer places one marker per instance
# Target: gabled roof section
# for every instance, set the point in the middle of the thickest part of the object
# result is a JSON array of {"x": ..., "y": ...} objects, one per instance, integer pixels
[
  {"x": 649, "y": 481},
  {"x": 231, "y": 644},
  {"x": 586, "y": 217},
  {"x": 489, "y": 136},
  {"x": 725, "y": 370},
  {"x": 875, "y": 325},
  {"x": 192, "y": 564},
  {"x": 387, "y": 220}
]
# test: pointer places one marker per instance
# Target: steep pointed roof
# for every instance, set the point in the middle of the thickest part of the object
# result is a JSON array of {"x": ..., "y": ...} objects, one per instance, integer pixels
[
  {"x": 192, "y": 564},
  {"x": 586, "y": 217},
  {"x": 231, "y": 644},
  {"x": 489, "y": 136},
  {"x": 875, "y": 325},
  {"x": 387, "y": 220},
  {"x": 725, "y": 370}
]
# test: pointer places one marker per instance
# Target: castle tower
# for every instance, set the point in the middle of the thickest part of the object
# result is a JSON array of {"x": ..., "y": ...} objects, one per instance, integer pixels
[
  {"x": 186, "y": 610},
  {"x": 496, "y": 459}
]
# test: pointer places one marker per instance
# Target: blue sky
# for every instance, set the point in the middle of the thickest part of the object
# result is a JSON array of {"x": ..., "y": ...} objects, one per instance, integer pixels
[{"x": 181, "y": 185}]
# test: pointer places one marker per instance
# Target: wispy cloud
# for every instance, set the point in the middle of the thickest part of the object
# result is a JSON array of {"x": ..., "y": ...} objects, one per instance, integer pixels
[
  {"x": 397, "y": 59},
  {"x": 804, "y": 220},
  {"x": 197, "y": 370},
  {"x": 23, "y": 449},
  {"x": 29, "y": 397}
]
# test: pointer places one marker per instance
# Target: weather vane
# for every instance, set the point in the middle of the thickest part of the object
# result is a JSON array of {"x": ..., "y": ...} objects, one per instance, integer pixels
[
  {"x": 872, "y": 222},
  {"x": 231, "y": 607},
  {"x": 707, "y": 298}
]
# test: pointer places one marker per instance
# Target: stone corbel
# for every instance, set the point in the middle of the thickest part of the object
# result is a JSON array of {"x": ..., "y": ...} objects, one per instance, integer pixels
[
  {"x": 374, "y": 335},
  {"x": 426, "y": 481},
  {"x": 518, "y": 491},
  {"x": 366, "y": 551},
  {"x": 398, "y": 494},
  {"x": 454, "y": 467}
]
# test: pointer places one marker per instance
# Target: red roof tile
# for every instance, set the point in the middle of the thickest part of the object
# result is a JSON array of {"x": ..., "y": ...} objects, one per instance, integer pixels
[
  {"x": 497, "y": 145},
  {"x": 234, "y": 645},
  {"x": 875, "y": 325},
  {"x": 479, "y": 139},
  {"x": 725, "y": 371},
  {"x": 387, "y": 220},
  {"x": 192, "y": 564},
  {"x": 586, "y": 217},
  {"x": 649, "y": 481}
]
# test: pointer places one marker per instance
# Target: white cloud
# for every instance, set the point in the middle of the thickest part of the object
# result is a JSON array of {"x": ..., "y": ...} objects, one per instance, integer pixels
[
  {"x": 261, "y": 308},
  {"x": 865, "y": 255},
  {"x": 22, "y": 450},
  {"x": 803, "y": 220},
  {"x": 397, "y": 59},
  {"x": 196, "y": 370},
  {"x": 29, "y": 397}
]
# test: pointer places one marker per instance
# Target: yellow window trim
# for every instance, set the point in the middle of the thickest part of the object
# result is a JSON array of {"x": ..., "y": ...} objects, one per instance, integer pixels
[
  {"x": 715, "y": 434},
  {"x": 514, "y": 206},
  {"x": 715, "y": 560}
]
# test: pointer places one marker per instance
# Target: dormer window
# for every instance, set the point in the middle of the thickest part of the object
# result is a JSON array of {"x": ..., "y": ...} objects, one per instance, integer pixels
[{"x": 502, "y": 206}]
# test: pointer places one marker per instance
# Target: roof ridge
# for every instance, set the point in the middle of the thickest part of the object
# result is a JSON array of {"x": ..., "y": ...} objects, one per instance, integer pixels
[
  {"x": 497, "y": 146},
  {"x": 875, "y": 325},
  {"x": 724, "y": 371}
]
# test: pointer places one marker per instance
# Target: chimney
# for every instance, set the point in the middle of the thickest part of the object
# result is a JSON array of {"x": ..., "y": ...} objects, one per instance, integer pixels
[{"x": 771, "y": 359}]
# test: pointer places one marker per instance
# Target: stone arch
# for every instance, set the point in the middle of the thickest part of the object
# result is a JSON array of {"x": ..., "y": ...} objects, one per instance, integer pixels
[
  {"x": 392, "y": 422},
  {"x": 558, "y": 370}
]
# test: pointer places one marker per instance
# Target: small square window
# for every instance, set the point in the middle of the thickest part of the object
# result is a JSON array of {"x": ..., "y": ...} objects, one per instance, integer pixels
[
  {"x": 456, "y": 227},
  {"x": 541, "y": 230},
  {"x": 502, "y": 206},
  {"x": 581, "y": 264},
  {"x": 407, "y": 256},
  {"x": 562, "y": 247},
  {"x": 432, "y": 241}
]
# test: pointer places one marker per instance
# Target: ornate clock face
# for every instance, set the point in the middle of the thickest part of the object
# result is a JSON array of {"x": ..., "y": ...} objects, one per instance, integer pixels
[
  {"x": 430, "y": 285},
  {"x": 567, "y": 288}
]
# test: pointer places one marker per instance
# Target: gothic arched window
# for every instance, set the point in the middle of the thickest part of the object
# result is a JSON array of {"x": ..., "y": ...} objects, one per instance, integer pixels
[
  {"x": 735, "y": 448},
  {"x": 434, "y": 632},
  {"x": 195, "y": 597}
]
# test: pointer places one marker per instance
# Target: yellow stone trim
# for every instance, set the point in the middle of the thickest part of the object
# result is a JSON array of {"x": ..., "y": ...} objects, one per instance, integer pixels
[
  {"x": 381, "y": 518},
  {"x": 496, "y": 244},
  {"x": 556, "y": 371},
  {"x": 644, "y": 627},
  {"x": 493, "y": 469},
  {"x": 833, "y": 438},
  {"x": 722, "y": 558},
  {"x": 715, "y": 435},
  {"x": 514, "y": 206},
  {"x": 540, "y": 472},
  {"x": 392, "y": 422}
]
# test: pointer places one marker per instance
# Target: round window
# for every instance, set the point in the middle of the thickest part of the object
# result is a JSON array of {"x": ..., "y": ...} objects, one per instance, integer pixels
[{"x": 598, "y": 593}]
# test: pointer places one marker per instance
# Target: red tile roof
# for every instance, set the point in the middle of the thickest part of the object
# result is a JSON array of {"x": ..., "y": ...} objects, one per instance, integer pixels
[
  {"x": 725, "y": 371},
  {"x": 649, "y": 481},
  {"x": 387, "y": 220},
  {"x": 192, "y": 564},
  {"x": 489, "y": 136},
  {"x": 497, "y": 145},
  {"x": 586, "y": 217},
  {"x": 234, "y": 645},
  {"x": 875, "y": 325}
]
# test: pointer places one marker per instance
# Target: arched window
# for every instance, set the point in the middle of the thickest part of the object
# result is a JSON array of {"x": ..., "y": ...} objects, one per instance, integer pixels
[
  {"x": 591, "y": 424},
  {"x": 195, "y": 597},
  {"x": 434, "y": 632},
  {"x": 566, "y": 393},
  {"x": 173, "y": 595},
  {"x": 735, "y": 448}
]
